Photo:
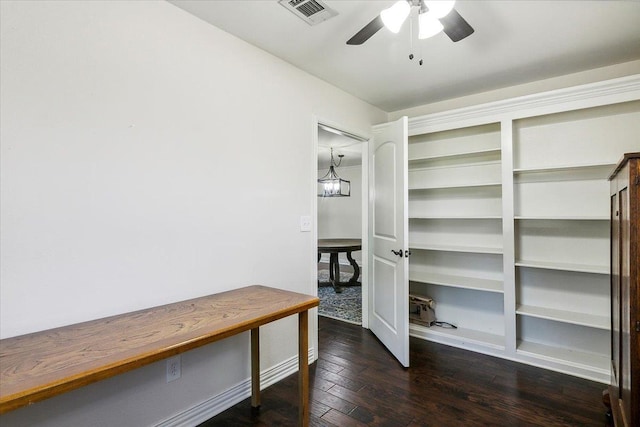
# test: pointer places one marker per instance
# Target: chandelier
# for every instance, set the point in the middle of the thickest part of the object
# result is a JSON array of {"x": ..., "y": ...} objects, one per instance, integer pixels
[{"x": 331, "y": 185}]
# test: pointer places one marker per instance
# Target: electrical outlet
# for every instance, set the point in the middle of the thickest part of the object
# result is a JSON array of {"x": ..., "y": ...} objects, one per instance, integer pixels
[{"x": 173, "y": 368}]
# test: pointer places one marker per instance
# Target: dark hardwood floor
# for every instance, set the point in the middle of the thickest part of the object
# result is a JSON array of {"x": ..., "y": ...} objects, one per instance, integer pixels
[{"x": 356, "y": 382}]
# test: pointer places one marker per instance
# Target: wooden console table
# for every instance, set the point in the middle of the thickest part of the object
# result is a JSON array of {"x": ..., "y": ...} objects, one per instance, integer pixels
[
  {"x": 47, "y": 363},
  {"x": 334, "y": 247}
]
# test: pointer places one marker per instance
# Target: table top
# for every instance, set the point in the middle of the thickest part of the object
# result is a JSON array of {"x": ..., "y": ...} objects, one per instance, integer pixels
[
  {"x": 340, "y": 245},
  {"x": 43, "y": 364}
]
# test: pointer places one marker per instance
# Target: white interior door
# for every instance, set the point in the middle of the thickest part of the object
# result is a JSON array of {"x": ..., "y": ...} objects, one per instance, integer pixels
[{"x": 388, "y": 231}]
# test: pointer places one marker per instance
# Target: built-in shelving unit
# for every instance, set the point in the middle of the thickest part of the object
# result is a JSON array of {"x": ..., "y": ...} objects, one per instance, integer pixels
[
  {"x": 509, "y": 223},
  {"x": 455, "y": 219},
  {"x": 561, "y": 211}
]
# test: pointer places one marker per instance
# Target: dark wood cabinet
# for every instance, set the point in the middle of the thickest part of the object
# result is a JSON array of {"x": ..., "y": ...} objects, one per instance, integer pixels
[{"x": 624, "y": 390}]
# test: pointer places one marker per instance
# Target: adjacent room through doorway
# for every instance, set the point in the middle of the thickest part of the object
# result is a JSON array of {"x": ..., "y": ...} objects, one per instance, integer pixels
[{"x": 339, "y": 219}]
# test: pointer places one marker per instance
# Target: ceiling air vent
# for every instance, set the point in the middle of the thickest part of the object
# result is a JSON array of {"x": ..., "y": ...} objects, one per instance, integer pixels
[{"x": 310, "y": 11}]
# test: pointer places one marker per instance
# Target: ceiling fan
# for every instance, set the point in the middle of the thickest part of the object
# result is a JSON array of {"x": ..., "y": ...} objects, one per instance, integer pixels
[{"x": 433, "y": 16}]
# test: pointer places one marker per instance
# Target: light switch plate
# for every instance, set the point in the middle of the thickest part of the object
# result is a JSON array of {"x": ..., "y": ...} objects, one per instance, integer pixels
[{"x": 305, "y": 223}]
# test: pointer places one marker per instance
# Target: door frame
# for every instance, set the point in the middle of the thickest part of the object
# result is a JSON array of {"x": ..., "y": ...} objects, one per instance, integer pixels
[{"x": 365, "y": 138}]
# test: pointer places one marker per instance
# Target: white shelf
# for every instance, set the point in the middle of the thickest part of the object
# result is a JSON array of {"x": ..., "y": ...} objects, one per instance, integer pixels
[
  {"x": 461, "y": 167},
  {"x": 471, "y": 153},
  {"x": 602, "y": 167},
  {"x": 595, "y": 362},
  {"x": 449, "y": 248},
  {"x": 452, "y": 217},
  {"x": 465, "y": 185},
  {"x": 453, "y": 281},
  {"x": 581, "y": 268},
  {"x": 564, "y": 173},
  {"x": 564, "y": 218},
  {"x": 564, "y": 167},
  {"x": 465, "y": 175},
  {"x": 561, "y": 198},
  {"x": 584, "y": 319},
  {"x": 459, "y": 336}
]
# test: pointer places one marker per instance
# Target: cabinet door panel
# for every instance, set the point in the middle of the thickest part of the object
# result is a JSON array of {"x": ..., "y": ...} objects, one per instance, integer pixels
[
  {"x": 625, "y": 349},
  {"x": 615, "y": 290}
]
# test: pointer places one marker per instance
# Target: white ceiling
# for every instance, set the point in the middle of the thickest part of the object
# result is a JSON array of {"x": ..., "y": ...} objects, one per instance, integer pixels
[
  {"x": 515, "y": 42},
  {"x": 350, "y": 148}
]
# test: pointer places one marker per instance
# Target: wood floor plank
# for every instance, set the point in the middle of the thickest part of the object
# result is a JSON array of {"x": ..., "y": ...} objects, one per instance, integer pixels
[
  {"x": 357, "y": 382},
  {"x": 329, "y": 366},
  {"x": 342, "y": 420},
  {"x": 351, "y": 384},
  {"x": 372, "y": 404}
]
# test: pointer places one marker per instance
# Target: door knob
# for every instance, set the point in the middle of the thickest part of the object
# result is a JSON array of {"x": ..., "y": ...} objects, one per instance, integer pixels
[{"x": 399, "y": 253}]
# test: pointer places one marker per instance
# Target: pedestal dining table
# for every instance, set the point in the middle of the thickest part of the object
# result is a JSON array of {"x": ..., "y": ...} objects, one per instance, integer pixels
[{"x": 333, "y": 247}]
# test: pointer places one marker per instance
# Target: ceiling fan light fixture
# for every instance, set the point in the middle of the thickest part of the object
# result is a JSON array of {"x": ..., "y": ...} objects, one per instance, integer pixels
[
  {"x": 394, "y": 16},
  {"x": 429, "y": 25},
  {"x": 439, "y": 8}
]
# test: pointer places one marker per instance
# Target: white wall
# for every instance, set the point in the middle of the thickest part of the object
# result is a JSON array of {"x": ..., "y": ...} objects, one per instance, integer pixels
[
  {"x": 569, "y": 80},
  {"x": 148, "y": 157},
  {"x": 341, "y": 217}
]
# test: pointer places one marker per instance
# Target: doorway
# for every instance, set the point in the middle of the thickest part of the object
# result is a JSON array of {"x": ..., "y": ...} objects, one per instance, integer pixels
[{"x": 342, "y": 219}]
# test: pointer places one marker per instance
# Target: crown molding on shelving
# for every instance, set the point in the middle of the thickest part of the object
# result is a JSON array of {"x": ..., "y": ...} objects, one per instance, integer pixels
[{"x": 606, "y": 92}]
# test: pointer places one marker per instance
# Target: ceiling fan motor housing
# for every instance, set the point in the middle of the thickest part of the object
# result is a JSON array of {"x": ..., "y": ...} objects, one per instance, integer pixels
[{"x": 444, "y": 15}]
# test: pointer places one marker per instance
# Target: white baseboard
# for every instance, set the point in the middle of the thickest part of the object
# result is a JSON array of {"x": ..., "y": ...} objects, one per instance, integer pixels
[{"x": 236, "y": 394}]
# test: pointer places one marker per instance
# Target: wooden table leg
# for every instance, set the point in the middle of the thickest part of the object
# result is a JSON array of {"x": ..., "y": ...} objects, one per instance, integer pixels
[
  {"x": 334, "y": 272},
  {"x": 303, "y": 368},
  {"x": 255, "y": 368},
  {"x": 356, "y": 269}
]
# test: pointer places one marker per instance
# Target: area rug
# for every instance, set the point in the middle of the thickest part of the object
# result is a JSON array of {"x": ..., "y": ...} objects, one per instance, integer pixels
[{"x": 345, "y": 306}]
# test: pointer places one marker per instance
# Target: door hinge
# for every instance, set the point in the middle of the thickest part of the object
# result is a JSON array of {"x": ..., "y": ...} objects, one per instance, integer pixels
[
  {"x": 638, "y": 326},
  {"x": 638, "y": 180}
]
